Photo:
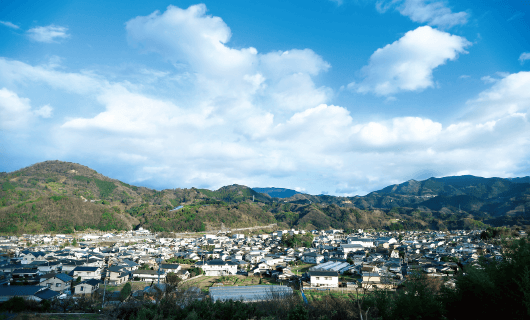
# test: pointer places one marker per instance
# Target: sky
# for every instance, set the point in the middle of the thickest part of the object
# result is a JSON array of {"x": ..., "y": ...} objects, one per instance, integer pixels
[{"x": 324, "y": 97}]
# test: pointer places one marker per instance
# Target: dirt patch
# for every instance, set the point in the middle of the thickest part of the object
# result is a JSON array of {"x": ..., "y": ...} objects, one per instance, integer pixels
[{"x": 204, "y": 283}]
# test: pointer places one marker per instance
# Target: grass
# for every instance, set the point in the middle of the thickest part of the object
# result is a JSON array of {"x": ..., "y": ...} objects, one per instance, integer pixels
[
  {"x": 319, "y": 295},
  {"x": 236, "y": 280},
  {"x": 135, "y": 285},
  {"x": 302, "y": 268}
]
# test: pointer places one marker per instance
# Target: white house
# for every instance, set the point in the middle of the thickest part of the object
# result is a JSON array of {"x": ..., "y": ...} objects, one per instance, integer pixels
[
  {"x": 347, "y": 248},
  {"x": 86, "y": 273},
  {"x": 365, "y": 242},
  {"x": 324, "y": 279},
  {"x": 217, "y": 267}
]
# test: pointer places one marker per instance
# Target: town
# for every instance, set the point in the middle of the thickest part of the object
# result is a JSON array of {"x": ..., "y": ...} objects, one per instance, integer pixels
[{"x": 58, "y": 267}]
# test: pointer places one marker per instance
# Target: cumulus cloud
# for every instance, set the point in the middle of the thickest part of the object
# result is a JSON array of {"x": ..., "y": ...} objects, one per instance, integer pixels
[
  {"x": 267, "y": 122},
  {"x": 508, "y": 96},
  {"x": 48, "y": 34},
  {"x": 408, "y": 63},
  {"x": 434, "y": 13},
  {"x": 199, "y": 42},
  {"x": 9, "y": 24},
  {"x": 524, "y": 56},
  {"x": 16, "y": 112}
]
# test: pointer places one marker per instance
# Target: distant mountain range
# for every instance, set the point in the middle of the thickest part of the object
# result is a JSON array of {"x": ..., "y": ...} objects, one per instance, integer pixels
[
  {"x": 62, "y": 197},
  {"x": 277, "y": 192}
]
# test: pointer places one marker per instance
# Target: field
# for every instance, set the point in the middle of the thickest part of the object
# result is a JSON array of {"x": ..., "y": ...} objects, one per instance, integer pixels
[
  {"x": 301, "y": 268},
  {"x": 313, "y": 295},
  {"x": 237, "y": 280},
  {"x": 135, "y": 285}
]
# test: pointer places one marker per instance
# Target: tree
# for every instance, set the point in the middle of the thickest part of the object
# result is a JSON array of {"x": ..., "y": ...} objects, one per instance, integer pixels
[
  {"x": 74, "y": 242},
  {"x": 125, "y": 292},
  {"x": 502, "y": 285},
  {"x": 173, "y": 279}
]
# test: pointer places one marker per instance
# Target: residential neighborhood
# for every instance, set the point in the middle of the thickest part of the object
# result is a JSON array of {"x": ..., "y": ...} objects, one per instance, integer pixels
[{"x": 30, "y": 264}]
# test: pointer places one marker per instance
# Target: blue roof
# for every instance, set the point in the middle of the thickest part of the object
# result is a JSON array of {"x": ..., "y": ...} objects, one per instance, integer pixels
[
  {"x": 19, "y": 290},
  {"x": 64, "y": 277},
  {"x": 177, "y": 208},
  {"x": 85, "y": 268},
  {"x": 47, "y": 294}
]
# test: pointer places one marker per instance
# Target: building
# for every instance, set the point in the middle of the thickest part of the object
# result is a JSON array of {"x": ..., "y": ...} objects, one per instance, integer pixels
[
  {"x": 149, "y": 275},
  {"x": 56, "y": 281},
  {"x": 86, "y": 273},
  {"x": 87, "y": 287},
  {"x": 324, "y": 279},
  {"x": 312, "y": 257},
  {"x": 217, "y": 267},
  {"x": 249, "y": 293}
]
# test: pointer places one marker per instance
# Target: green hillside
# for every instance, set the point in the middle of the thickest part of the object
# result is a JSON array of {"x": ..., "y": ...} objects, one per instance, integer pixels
[{"x": 62, "y": 197}]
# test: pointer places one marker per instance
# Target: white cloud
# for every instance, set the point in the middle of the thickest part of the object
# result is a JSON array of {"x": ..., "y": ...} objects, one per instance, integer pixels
[
  {"x": 399, "y": 131},
  {"x": 44, "y": 111},
  {"x": 524, "y": 56},
  {"x": 489, "y": 79},
  {"x": 408, "y": 63},
  {"x": 9, "y": 24},
  {"x": 12, "y": 71},
  {"x": 199, "y": 42},
  {"x": 434, "y": 13},
  {"x": 267, "y": 122},
  {"x": 48, "y": 34},
  {"x": 508, "y": 96},
  {"x": 16, "y": 112}
]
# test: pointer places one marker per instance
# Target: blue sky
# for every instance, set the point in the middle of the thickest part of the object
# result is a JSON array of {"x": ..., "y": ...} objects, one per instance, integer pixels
[{"x": 335, "y": 97}]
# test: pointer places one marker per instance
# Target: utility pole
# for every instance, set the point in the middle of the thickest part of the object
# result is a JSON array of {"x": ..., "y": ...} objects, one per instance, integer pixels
[
  {"x": 105, "y": 282},
  {"x": 159, "y": 260}
]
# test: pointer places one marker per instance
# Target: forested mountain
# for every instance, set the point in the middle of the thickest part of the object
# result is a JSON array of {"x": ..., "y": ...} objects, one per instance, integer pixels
[
  {"x": 56, "y": 196},
  {"x": 277, "y": 192}
]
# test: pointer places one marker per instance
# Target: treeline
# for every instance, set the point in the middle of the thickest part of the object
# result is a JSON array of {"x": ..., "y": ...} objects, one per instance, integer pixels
[{"x": 297, "y": 240}]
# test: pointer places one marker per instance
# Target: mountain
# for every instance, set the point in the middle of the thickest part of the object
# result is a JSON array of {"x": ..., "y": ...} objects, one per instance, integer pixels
[
  {"x": 63, "y": 197},
  {"x": 277, "y": 192}
]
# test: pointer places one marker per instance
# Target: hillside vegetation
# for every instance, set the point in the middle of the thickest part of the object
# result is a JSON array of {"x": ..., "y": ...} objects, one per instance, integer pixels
[{"x": 62, "y": 197}]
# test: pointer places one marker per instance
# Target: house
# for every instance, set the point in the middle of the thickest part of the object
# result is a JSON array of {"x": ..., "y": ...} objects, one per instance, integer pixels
[
  {"x": 312, "y": 257},
  {"x": 56, "y": 281},
  {"x": 47, "y": 267},
  {"x": 36, "y": 293},
  {"x": 371, "y": 278},
  {"x": 324, "y": 279},
  {"x": 365, "y": 242},
  {"x": 129, "y": 265},
  {"x": 175, "y": 268},
  {"x": 87, "y": 287},
  {"x": 149, "y": 275},
  {"x": 86, "y": 273},
  {"x": 26, "y": 275},
  {"x": 28, "y": 256},
  {"x": 347, "y": 248},
  {"x": 217, "y": 267},
  {"x": 117, "y": 275}
]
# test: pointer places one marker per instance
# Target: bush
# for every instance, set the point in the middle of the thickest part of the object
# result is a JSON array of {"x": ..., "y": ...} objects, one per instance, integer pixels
[{"x": 125, "y": 291}]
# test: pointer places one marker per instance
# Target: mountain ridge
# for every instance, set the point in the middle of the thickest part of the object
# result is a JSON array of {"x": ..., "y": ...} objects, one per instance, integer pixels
[{"x": 56, "y": 196}]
